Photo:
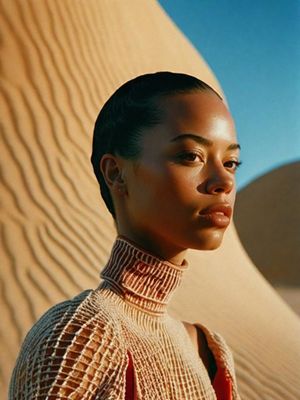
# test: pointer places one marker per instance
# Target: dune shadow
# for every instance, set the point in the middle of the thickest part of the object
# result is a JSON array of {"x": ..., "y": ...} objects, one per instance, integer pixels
[{"x": 267, "y": 218}]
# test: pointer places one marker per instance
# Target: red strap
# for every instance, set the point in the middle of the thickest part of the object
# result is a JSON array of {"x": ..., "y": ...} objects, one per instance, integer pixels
[
  {"x": 130, "y": 384},
  {"x": 222, "y": 385}
]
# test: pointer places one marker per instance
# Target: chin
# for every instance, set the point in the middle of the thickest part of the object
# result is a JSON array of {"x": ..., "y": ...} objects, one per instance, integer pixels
[
  {"x": 209, "y": 241},
  {"x": 212, "y": 246}
]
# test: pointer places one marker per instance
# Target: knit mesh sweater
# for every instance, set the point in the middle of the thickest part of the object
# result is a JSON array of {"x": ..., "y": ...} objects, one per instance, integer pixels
[{"x": 81, "y": 348}]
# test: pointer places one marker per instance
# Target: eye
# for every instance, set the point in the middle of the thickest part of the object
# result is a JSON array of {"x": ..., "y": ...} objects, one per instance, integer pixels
[
  {"x": 232, "y": 164},
  {"x": 191, "y": 157}
]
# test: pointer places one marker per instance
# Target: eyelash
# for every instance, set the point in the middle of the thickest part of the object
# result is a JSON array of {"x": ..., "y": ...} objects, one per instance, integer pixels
[
  {"x": 236, "y": 163},
  {"x": 184, "y": 157}
]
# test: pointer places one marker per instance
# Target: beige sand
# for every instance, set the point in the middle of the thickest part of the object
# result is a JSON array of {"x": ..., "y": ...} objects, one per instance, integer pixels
[
  {"x": 61, "y": 59},
  {"x": 267, "y": 218},
  {"x": 270, "y": 231}
]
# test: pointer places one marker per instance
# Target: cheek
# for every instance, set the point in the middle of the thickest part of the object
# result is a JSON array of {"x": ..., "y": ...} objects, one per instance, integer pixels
[
  {"x": 159, "y": 186},
  {"x": 146, "y": 186},
  {"x": 232, "y": 195},
  {"x": 161, "y": 191},
  {"x": 178, "y": 192},
  {"x": 182, "y": 183}
]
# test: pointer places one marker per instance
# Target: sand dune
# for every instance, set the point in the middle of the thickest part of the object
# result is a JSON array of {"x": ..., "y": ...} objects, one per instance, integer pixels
[
  {"x": 60, "y": 61},
  {"x": 267, "y": 218},
  {"x": 291, "y": 295}
]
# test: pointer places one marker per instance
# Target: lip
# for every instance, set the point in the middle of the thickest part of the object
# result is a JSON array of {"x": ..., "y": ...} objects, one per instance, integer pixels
[
  {"x": 218, "y": 214},
  {"x": 223, "y": 208}
]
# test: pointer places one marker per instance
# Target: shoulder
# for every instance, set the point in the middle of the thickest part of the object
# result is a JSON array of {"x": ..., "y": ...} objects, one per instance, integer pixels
[
  {"x": 218, "y": 345},
  {"x": 200, "y": 343},
  {"x": 71, "y": 349},
  {"x": 87, "y": 313},
  {"x": 221, "y": 352}
]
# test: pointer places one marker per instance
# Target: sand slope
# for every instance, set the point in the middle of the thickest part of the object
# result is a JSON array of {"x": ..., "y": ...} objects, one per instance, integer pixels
[
  {"x": 60, "y": 61},
  {"x": 267, "y": 218}
]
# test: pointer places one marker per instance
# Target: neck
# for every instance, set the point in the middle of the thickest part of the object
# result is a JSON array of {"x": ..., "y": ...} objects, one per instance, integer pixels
[
  {"x": 141, "y": 278},
  {"x": 157, "y": 246}
]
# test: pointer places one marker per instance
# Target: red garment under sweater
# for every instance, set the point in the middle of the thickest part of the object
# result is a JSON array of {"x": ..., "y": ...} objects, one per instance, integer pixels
[{"x": 221, "y": 384}]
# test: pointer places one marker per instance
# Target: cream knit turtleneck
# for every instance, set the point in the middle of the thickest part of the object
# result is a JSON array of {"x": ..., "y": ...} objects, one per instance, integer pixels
[
  {"x": 142, "y": 280},
  {"x": 80, "y": 348}
]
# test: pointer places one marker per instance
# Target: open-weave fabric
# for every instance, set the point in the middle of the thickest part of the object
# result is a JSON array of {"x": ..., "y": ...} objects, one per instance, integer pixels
[{"x": 80, "y": 348}]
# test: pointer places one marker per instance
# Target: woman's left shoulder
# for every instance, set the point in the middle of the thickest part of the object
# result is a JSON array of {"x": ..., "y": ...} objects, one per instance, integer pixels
[{"x": 222, "y": 353}]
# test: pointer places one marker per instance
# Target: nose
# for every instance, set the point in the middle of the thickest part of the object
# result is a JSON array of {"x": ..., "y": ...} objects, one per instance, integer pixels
[{"x": 221, "y": 181}]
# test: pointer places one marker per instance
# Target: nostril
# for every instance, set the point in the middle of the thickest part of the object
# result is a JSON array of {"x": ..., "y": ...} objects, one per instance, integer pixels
[{"x": 218, "y": 187}]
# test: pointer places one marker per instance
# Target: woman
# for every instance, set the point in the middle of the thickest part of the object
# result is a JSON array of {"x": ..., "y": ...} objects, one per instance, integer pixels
[{"x": 165, "y": 155}]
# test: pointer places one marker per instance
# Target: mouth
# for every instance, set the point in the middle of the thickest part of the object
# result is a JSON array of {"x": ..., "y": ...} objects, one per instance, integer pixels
[
  {"x": 217, "y": 214},
  {"x": 218, "y": 208}
]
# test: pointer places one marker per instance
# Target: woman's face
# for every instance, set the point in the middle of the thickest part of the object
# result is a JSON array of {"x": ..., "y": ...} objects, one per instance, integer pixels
[{"x": 187, "y": 164}]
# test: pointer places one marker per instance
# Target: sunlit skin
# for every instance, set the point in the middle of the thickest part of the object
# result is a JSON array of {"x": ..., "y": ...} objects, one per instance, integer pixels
[{"x": 158, "y": 199}]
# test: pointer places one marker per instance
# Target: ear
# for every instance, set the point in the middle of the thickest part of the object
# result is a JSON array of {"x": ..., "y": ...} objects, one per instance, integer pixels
[{"x": 113, "y": 173}]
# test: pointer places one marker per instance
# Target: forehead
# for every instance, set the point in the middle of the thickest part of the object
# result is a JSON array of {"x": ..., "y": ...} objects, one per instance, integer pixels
[{"x": 201, "y": 112}]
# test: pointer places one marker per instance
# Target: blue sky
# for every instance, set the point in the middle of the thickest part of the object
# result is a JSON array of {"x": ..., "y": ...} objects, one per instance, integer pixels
[{"x": 253, "y": 48}]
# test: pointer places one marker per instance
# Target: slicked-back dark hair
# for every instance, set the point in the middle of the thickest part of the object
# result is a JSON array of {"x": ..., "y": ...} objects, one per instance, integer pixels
[{"x": 132, "y": 108}]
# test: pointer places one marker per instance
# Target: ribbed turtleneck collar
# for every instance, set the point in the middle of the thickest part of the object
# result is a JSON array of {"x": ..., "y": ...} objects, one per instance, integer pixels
[{"x": 142, "y": 279}]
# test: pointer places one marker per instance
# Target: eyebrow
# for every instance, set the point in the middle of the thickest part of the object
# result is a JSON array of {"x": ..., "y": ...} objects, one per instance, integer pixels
[{"x": 202, "y": 140}]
